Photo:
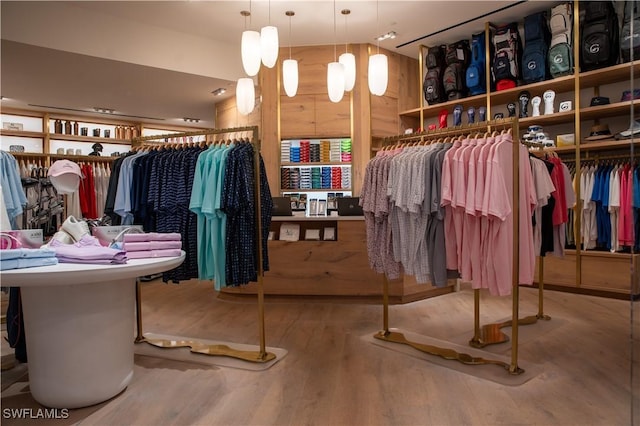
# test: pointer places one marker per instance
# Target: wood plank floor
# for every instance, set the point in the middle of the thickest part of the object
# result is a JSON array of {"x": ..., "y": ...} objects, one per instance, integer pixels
[{"x": 332, "y": 376}]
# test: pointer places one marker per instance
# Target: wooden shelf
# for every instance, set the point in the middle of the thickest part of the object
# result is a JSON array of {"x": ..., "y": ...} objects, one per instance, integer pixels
[
  {"x": 561, "y": 84},
  {"x": 433, "y": 110},
  {"x": 595, "y": 253},
  {"x": 612, "y": 74},
  {"x": 330, "y": 163},
  {"x": 93, "y": 158},
  {"x": 550, "y": 119},
  {"x": 29, "y": 154},
  {"x": 94, "y": 139},
  {"x": 21, "y": 133},
  {"x": 596, "y": 146},
  {"x": 611, "y": 110}
]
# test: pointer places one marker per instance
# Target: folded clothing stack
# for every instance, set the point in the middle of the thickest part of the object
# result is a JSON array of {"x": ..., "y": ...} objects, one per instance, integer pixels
[
  {"x": 26, "y": 258},
  {"x": 87, "y": 250},
  {"x": 152, "y": 244}
]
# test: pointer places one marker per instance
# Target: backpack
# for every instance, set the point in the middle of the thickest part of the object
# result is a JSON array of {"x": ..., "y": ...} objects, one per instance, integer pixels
[
  {"x": 453, "y": 80},
  {"x": 432, "y": 85},
  {"x": 507, "y": 56},
  {"x": 475, "y": 74},
  {"x": 536, "y": 47},
  {"x": 628, "y": 41},
  {"x": 560, "y": 57},
  {"x": 599, "y": 35}
]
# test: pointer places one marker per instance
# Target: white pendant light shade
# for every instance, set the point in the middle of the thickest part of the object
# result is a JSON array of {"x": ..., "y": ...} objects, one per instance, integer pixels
[
  {"x": 348, "y": 61},
  {"x": 269, "y": 45},
  {"x": 250, "y": 50},
  {"x": 335, "y": 81},
  {"x": 378, "y": 74},
  {"x": 245, "y": 96},
  {"x": 290, "y": 77}
]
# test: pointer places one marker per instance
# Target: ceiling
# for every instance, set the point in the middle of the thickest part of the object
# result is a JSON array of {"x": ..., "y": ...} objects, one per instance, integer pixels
[{"x": 159, "y": 61}]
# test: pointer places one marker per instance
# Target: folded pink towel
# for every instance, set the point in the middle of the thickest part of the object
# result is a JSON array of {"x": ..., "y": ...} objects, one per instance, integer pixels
[
  {"x": 152, "y": 245},
  {"x": 152, "y": 236},
  {"x": 144, "y": 254}
]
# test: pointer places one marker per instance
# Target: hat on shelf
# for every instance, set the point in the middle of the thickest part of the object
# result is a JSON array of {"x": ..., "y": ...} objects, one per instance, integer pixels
[
  {"x": 599, "y": 132},
  {"x": 97, "y": 147},
  {"x": 633, "y": 130},
  {"x": 626, "y": 95},
  {"x": 599, "y": 100},
  {"x": 65, "y": 176}
]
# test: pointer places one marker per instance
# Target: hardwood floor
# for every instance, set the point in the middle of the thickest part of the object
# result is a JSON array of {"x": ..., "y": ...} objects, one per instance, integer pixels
[{"x": 332, "y": 376}]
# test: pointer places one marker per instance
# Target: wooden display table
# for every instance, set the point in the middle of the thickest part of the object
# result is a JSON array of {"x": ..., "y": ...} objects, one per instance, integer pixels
[{"x": 336, "y": 269}]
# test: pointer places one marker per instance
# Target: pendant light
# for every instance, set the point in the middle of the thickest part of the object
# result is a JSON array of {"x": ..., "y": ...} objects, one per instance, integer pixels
[
  {"x": 348, "y": 60},
  {"x": 290, "y": 67},
  {"x": 245, "y": 96},
  {"x": 378, "y": 68},
  {"x": 335, "y": 70},
  {"x": 269, "y": 43},
  {"x": 250, "y": 47}
]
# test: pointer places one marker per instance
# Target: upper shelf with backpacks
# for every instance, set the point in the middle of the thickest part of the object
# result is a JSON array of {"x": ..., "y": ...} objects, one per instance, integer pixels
[{"x": 459, "y": 69}]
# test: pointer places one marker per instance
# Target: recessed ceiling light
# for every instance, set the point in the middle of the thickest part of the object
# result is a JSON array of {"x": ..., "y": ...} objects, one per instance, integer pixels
[
  {"x": 219, "y": 91},
  {"x": 389, "y": 35},
  {"x": 191, "y": 120},
  {"x": 104, "y": 110}
]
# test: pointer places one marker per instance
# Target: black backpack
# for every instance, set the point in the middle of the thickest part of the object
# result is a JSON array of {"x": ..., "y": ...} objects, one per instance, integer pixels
[
  {"x": 536, "y": 46},
  {"x": 457, "y": 57},
  {"x": 630, "y": 42},
  {"x": 507, "y": 56},
  {"x": 599, "y": 35},
  {"x": 432, "y": 85}
]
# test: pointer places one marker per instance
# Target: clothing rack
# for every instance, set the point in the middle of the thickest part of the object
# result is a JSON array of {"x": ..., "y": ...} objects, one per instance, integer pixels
[
  {"x": 262, "y": 355},
  {"x": 510, "y": 124}
]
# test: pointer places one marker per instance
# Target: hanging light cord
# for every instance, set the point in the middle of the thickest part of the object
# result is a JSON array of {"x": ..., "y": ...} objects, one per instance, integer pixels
[
  {"x": 346, "y": 35},
  {"x": 335, "y": 37},
  {"x": 289, "y": 36},
  {"x": 377, "y": 26}
]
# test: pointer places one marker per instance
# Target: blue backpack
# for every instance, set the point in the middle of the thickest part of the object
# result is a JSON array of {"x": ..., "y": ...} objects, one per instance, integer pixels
[
  {"x": 536, "y": 47},
  {"x": 475, "y": 75}
]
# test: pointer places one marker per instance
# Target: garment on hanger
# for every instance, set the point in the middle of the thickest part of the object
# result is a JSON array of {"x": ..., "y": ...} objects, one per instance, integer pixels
[{"x": 13, "y": 195}]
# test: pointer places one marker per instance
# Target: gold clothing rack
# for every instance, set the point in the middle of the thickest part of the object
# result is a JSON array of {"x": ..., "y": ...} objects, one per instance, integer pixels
[
  {"x": 510, "y": 124},
  {"x": 262, "y": 355}
]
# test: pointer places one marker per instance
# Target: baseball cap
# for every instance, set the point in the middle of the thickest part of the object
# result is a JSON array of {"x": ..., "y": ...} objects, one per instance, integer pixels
[{"x": 65, "y": 176}]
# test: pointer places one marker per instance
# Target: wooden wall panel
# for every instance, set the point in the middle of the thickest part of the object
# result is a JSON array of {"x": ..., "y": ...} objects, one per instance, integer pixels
[
  {"x": 333, "y": 119},
  {"x": 312, "y": 68},
  {"x": 394, "y": 74},
  {"x": 384, "y": 116},
  {"x": 227, "y": 116},
  {"x": 297, "y": 116},
  {"x": 409, "y": 89}
]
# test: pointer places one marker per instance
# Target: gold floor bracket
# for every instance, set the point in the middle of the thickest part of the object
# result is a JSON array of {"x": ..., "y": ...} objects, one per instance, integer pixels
[
  {"x": 450, "y": 354},
  {"x": 216, "y": 350},
  {"x": 490, "y": 334}
]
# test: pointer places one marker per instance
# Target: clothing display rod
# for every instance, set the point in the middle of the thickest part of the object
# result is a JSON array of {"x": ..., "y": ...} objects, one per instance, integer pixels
[
  {"x": 507, "y": 125},
  {"x": 262, "y": 355}
]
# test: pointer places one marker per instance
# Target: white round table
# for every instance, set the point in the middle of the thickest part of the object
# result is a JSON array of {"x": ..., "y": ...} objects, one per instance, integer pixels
[{"x": 79, "y": 327}]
